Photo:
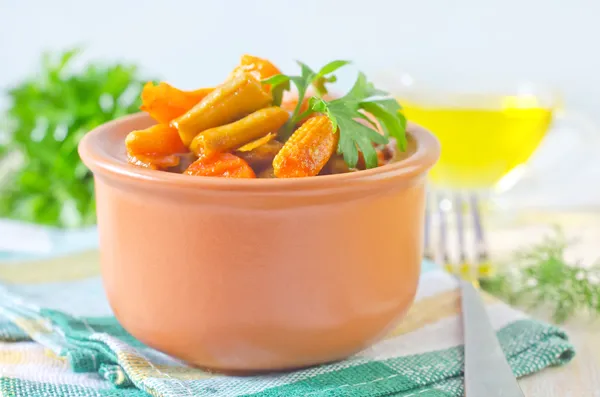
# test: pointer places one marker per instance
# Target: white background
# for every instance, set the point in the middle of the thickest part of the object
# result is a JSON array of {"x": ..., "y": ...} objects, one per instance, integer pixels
[{"x": 195, "y": 43}]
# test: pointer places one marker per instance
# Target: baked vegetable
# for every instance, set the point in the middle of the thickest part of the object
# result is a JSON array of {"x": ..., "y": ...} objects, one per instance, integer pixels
[
  {"x": 225, "y": 165},
  {"x": 258, "y": 142},
  {"x": 268, "y": 173},
  {"x": 258, "y": 67},
  {"x": 241, "y": 95},
  {"x": 308, "y": 149},
  {"x": 261, "y": 156},
  {"x": 335, "y": 165},
  {"x": 155, "y": 147},
  {"x": 231, "y": 136},
  {"x": 164, "y": 102},
  {"x": 243, "y": 129}
]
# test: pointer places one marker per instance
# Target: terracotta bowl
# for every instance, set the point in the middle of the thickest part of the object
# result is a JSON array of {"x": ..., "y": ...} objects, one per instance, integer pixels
[{"x": 257, "y": 274}]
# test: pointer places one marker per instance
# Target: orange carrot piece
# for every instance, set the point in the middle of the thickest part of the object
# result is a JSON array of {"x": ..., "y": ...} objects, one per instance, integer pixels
[
  {"x": 225, "y": 165},
  {"x": 258, "y": 67},
  {"x": 155, "y": 147},
  {"x": 154, "y": 163},
  {"x": 164, "y": 102},
  {"x": 307, "y": 151}
]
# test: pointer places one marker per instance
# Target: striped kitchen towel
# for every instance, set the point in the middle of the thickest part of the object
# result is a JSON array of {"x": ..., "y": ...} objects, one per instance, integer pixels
[{"x": 52, "y": 353}]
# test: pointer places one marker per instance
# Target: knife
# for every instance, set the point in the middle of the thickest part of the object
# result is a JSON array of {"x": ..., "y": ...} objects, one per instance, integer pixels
[{"x": 487, "y": 373}]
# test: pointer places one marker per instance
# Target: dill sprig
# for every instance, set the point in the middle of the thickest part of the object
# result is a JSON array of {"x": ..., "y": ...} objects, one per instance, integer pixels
[{"x": 542, "y": 276}]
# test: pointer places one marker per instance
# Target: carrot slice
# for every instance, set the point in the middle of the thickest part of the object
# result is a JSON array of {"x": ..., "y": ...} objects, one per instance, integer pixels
[
  {"x": 155, "y": 147},
  {"x": 164, "y": 102},
  {"x": 225, "y": 165},
  {"x": 258, "y": 67}
]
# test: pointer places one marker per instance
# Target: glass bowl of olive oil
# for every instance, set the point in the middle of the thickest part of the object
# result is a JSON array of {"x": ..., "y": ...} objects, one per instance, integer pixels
[
  {"x": 488, "y": 132},
  {"x": 492, "y": 132}
]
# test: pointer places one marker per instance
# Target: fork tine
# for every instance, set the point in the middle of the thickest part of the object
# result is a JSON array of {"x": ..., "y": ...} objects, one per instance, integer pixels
[
  {"x": 483, "y": 260},
  {"x": 427, "y": 251},
  {"x": 443, "y": 248},
  {"x": 465, "y": 269}
]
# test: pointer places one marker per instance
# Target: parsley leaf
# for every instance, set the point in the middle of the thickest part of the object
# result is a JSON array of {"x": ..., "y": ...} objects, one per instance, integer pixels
[
  {"x": 393, "y": 124},
  {"x": 363, "y": 96},
  {"x": 352, "y": 133},
  {"x": 332, "y": 67},
  {"x": 47, "y": 116},
  {"x": 320, "y": 80},
  {"x": 344, "y": 112},
  {"x": 362, "y": 89},
  {"x": 279, "y": 84},
  {"x": 307, "y": 78},
  {"x": 319, "y": 105},
  {"x": 306, "y": 72}
]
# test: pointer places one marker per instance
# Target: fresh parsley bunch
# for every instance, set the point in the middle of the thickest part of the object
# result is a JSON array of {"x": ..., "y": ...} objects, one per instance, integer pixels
[
  {"x": 47, "y": 116},
  {"x": 343, "y": 112}
]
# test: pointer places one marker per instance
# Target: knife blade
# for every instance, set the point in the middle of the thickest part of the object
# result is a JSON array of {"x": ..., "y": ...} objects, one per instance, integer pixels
[{"x": 487, "y": 373}]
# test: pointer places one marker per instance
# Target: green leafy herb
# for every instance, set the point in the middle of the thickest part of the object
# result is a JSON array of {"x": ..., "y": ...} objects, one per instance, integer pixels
[
  {"x": 47, "y": 117},
  {"x": 280, "y": 83},
  {"x": 542, "y": 276},
  {"x": 308, "y": 77},
  {"x": 345, "y": 111},
  {"x": 322, "y": 77}
]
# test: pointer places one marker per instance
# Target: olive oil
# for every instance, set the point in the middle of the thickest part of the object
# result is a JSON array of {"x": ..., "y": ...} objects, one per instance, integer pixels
[{"x": 483, "y": 143}]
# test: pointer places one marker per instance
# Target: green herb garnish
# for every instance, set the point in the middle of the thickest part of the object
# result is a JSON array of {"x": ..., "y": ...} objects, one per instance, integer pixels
[
  {"x": 47, "y": 117},
  {"x": 343, "y": 112},
  {"x": 543, "y": 277}
]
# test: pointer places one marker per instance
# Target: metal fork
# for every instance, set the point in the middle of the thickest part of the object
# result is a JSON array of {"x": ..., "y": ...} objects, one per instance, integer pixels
[
  {"x": 487, "y": 372},
  {"x": 440, "y": 205}
]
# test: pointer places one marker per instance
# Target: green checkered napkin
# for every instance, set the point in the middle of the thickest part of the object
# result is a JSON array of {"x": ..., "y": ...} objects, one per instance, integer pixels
[{"x": 96, "y": 357}]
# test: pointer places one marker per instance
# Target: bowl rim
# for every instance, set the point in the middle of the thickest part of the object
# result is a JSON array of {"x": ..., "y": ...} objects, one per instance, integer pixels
[{"x": 101, "y": 162}]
